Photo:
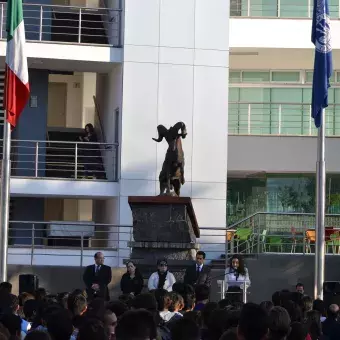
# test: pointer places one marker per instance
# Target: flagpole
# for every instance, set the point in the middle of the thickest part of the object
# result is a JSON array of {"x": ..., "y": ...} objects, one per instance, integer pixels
[
  {"x": 320, "y": 212},
  {"x": 4, "y": 199}
]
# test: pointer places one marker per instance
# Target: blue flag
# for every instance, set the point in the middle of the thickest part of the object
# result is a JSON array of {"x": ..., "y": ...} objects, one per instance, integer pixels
[{"x": 321, "y": 38}]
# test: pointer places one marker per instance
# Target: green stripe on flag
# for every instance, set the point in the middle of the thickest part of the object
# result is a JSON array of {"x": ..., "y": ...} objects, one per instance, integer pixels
[{"x": 14, "y": 17}]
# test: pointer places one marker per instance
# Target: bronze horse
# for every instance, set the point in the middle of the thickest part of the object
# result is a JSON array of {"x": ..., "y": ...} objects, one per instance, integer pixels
[{"x": 172, "y": 173}]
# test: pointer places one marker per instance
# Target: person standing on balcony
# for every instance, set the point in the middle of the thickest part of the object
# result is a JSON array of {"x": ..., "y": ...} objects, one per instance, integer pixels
[
  {"x": 162, "y": 278},
  {"x": 97, "y": 277},
  {"x": 237, "y": 278},
  {"x": 90, "y": 153},
  {"x": 198, "y": 274}
]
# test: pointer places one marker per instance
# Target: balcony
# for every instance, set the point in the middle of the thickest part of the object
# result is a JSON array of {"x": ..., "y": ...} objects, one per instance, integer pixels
[
  {"x": 67, "y": 24},
  {"x": 64, "y": 160},
  {"x": 280, "y": 119},
  {"x": 279, "y": 8}
]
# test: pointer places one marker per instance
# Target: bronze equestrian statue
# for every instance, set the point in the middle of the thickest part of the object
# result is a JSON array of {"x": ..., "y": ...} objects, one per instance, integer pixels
[{"x": 172, "y": 173}]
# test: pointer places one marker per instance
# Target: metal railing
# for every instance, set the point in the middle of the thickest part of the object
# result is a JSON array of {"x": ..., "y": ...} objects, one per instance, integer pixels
[
  {"x": 279, "y": 8},
  {"x": 251, "y": 118},
  {"x": 265, "y": 232},
  {"x": 70, "y": 24},
  {"x": 75, "y": 237},
  {"x": 61, "y": 159}
]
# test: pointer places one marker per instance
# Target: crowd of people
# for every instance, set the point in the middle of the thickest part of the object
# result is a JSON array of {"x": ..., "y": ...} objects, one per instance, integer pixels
[
  {"x": 183, "y": 314},
  {"x": 164, "y": 310}
]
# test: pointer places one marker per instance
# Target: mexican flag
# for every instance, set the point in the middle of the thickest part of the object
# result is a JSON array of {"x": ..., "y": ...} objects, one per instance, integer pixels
[{"x": 16, "y": 84}]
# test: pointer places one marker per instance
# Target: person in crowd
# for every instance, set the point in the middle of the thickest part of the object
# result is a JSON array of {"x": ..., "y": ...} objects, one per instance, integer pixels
[
  {"x": 136, "y": 325},
  {"x": 91, "y": 153},
  {"x": 162, "y": 279},
  {"x": 97, "y": 277},
  {"x": 319, "y": 306},
  {"x": 195, "y": 316},
  {"x": 253, "y": 324},
  {"x": 132, "y": 281},
  {"x": 306, "y": 305},
  {"x": 237, "y": 278},
  {"x": 188, "y": 294},
  {"x": 117, "y": 307},
  {"x": 13, "y": 323},
  {"x": 294, "y": 311},
  {"x": 6, "y": 287},
  {"x": 225, "y": 303},
  {"x": 267, "y": 306},
  {"x": 94, "y": 329},
  {"x": 177, "y": 305},
  {"x": 163, "y": 302},
  {"x": 202, "y": 293},
  {"x": 297, "y": 331},
  {"x": 313, "y": 325},
  {"x": 300, "y": 288},
  {"x": 23, "y": 297},
  {"x": 198, "y": 273},
  {"x": 185, "y": 329},
  {"x": 206, "y": 316},
  {"x": 110, "y": 323},
  {"x": 230, "y": 334},
  {"x": 59, "y": 325},
  {"x": 77, "y": 305},
  {"x": 37, "y": 335},
  {"x": 331, "y": 326},
  {"x": 218, "y": 323},
  {"x": 278, "y": 324},
  {"x": 148, "y": 301},
  {"x": 40, "y": 294}
]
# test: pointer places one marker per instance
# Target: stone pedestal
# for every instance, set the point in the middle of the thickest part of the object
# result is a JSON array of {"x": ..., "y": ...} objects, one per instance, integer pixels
[{"x": 163, "y": 227}]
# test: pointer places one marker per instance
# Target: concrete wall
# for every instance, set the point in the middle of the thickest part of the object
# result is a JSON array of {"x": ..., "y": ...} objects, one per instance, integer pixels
[
  {"x": 283, "y": 33},
  {"x": 26, "y": 209},
  {"x": 279, "y": 154},
  {"x": 176, "y": 69},
  {"x": 32, "y": 126}
]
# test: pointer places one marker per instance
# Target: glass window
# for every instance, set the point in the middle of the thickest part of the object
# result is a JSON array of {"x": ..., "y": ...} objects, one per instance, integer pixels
[
  {"x": 235, "y": 77},
  {"x": 263, "y": 8},
  {"x": 293, "y": 9},
  {"x": 309, "y": 77},
  {"x": 255, "y": 77},
  {"x": 281, "y": 76},
  {"x": 333, "y": 8}
]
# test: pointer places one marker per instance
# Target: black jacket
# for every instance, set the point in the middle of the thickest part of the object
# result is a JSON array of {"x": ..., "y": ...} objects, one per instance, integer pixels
[
  {"x": 128, "y": 285},
  {"x": 102, "y": 278},
  {"x": 331, "y": 328},
  {"x": 203, "y": 278}
]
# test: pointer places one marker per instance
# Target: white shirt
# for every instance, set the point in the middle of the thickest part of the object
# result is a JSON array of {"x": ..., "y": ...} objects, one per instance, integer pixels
[
  {"x": 234, "y": 280},
  {"x": 154, "y": 278},
  {"x": 199, "y": 267},
  {"x": 166, "y": 316},
  {"x": 96, "y": 268}
]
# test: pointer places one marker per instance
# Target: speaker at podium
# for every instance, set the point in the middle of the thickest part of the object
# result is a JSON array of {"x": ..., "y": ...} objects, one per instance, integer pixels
[{"x": 28, "y": 283}]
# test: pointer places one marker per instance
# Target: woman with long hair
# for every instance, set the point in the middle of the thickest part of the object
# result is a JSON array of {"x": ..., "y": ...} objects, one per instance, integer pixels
[
  {"x": 132, "y": 281},
  {"x": 237, "y": 278},
  {"x": 313, "y": 325}
]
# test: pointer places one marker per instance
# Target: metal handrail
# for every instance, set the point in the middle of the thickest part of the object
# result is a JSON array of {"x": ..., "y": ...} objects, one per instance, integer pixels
[
  {"x": 41, "y": 24},
  {"x": 64, "y": 159}
]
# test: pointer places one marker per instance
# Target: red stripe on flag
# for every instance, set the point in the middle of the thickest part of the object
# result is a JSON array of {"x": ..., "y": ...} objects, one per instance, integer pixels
[{"x": 16, "y": 96}]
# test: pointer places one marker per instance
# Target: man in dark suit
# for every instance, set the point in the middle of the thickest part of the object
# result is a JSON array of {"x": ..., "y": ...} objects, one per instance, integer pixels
[
  {"x": 198, "y": 274},
  {"x": 96, "y": 278}
]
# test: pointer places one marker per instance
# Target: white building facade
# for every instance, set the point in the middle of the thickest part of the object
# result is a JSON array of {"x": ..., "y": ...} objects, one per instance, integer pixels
[{"x": 125, "y": 67}]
